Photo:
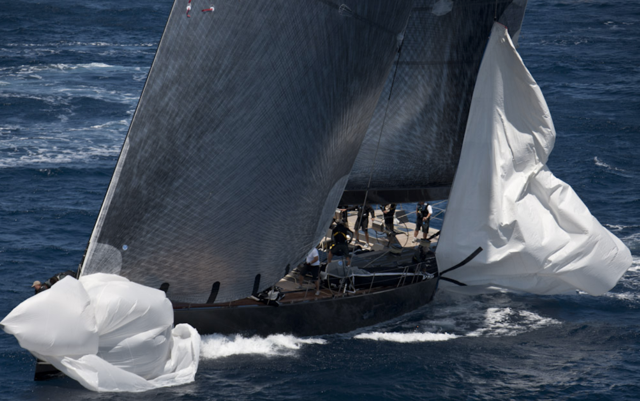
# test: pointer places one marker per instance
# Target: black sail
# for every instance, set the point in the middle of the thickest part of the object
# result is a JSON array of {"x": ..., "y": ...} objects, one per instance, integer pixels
[
  {"x": 242, "y": 143},
  {"x": 421, "y": 127}
]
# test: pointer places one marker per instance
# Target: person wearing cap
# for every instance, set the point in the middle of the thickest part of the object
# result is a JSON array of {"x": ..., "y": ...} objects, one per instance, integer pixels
[{"x": 39, "y": 287}]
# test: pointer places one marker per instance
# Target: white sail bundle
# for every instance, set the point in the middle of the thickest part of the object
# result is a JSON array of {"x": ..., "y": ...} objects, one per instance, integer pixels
[
  {"x": 107, "y": 333},
  {"x": 535, "y": 233}
]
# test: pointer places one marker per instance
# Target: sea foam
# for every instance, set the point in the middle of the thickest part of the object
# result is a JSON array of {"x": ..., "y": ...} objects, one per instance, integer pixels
[
  {"x": 415, "y": 337},
  {"x": 218, "y": 346}
]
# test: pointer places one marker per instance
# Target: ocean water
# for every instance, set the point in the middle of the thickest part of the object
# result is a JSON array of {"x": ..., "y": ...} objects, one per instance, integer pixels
[{"x": 70, "y": 77}]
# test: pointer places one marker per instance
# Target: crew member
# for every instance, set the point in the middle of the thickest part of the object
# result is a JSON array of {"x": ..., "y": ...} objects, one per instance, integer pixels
[
  {"x": 340, "y": 247},
  {"x": 39, "y": 287},
  {"x": 311, "y": 265},
  {"x": 388, "y": 211},
  {"x": 423, "y": 217},
  {"x": 362, "y": 221}
]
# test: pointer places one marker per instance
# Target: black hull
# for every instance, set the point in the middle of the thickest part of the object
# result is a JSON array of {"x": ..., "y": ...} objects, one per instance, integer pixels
[
  {"x": 324, "y": 316},
  {"x": 45, "y": 371}
]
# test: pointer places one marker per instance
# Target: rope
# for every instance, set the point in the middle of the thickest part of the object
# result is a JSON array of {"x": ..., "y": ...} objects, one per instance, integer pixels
[{"x": 384, "y": 120}]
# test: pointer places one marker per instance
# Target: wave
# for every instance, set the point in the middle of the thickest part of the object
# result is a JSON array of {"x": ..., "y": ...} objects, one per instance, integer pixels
[
  {"x": 618, "y": 227},
  {"x": 454, "y": 316},
  {"x": 498, "y": 322},
  {"x": 93, "y": 44},
  {"x": 416, "y": 337},
  {"x": 32, "y": 70},
  {"x": 111, "y": 124},
  {"x": 507, "y": 322},
  {"x": 624, "y": 296},
  {"x": 56, "y": 159},
  {"x": 218, "y": 346},
  {"x": 614, "y": 170},
  {"x": 55, "y": 100},
  {"x": 70, "y": 147},
  {"x": 65, "y": 95}
]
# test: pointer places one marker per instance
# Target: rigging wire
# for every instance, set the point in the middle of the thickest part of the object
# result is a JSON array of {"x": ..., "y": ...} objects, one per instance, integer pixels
[
  {"x": 384, "y": 120},
  {"x": 360, "y": 214}
]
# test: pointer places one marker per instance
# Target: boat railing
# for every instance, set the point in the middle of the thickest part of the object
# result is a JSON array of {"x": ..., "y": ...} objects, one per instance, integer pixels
[{"x": 409, "y": 274}]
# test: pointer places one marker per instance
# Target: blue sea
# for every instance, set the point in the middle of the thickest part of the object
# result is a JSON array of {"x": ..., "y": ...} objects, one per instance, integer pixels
[{"x": 71, "y": 73}]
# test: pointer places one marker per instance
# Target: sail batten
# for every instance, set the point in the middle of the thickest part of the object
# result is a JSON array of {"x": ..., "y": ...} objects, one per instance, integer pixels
[{"x": 242, "y": 143}]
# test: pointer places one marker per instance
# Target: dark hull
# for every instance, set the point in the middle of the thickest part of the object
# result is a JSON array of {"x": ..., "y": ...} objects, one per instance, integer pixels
[
  {"x": 324, "y": 316},
  {"x": 45, "y": 371}
]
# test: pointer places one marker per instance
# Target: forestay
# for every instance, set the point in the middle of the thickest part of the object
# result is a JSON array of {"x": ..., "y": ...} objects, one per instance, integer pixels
[
  {"x": 241, "y": 145},
  {"x": 421, "y": 127},
  {"x": 535, "y": 233}
]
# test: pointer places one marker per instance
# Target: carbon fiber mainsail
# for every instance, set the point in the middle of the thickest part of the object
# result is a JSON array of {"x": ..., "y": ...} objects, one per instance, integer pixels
[
  {"x": 420, "y": 127},
  {"x": 249, "y": 123}
]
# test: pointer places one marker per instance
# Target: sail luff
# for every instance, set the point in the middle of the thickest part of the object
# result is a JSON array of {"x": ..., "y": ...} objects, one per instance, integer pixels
[{"x": 90, "y": 251}]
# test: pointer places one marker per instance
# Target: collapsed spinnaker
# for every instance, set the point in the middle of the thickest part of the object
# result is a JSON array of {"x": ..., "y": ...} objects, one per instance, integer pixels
[
  {"x": 536, "y": 234},
  {"x": 109, "y": 334}
]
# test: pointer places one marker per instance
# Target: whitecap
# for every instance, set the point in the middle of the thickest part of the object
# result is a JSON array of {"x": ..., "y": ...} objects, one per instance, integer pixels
[
  {"x": 218, "y": 346},
  {"x": 623, "y": 296},
  {"x": 95, "y": 65},
  {"x": 614, "y": 227},
  {"x": 507, "y": 322},
  {"x": 110, "y": 124},
  {"x": 53, "y": 100},
  {"x": 611, "y": 169}
]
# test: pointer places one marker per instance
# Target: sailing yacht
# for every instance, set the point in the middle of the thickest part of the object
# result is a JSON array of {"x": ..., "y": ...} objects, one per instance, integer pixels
[{"x": 256, "y": 121}]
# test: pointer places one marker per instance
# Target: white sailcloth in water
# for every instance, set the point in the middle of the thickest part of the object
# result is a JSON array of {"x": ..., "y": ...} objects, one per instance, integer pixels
[{"x": 535, "y": 233}]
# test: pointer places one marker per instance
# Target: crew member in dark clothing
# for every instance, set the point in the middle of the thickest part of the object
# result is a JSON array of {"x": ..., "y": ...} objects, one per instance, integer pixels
[
  {"x": 423, "y": 217},
  {"x": 340, "y": 246},
  {"x": 388, "y": 211},
  {"x": 362, "y": 221},
  {"x": 421, "y": 252}
]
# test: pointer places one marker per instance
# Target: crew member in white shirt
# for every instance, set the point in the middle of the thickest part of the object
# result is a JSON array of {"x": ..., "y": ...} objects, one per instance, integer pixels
[{"x": 311, "y": 265}]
